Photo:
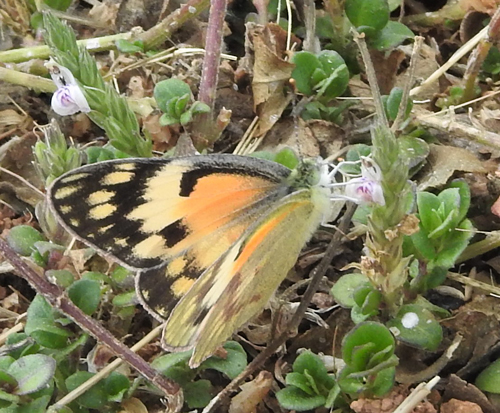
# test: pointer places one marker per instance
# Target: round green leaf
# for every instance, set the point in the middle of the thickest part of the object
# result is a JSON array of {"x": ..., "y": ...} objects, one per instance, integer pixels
[
  {"x": 234, "y": 363},
  {"x": 417, "y": 326},
  {"x": 86, "y": 294},
  {"x": 22, "y": 239},
  {"x": 368, "y": 332},
  {"x": 32, "y": 372},
  {"x": 343, "y": 290},
  {"x": 363, "y": 14}
]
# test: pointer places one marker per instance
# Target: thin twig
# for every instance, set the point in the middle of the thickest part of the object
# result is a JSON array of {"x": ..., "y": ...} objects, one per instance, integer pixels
[
  {"x": 417, "y": 395},
  {"x": 359, "y": 38},
  {"x": 466, "y": 48},
  {"x": 24, "y": 181},
  {"x": 59, "y": 300},
  {"x": 317, "y": 276}
]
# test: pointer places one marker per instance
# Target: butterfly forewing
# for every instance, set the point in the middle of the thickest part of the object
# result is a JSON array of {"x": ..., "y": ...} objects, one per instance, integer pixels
[{"x": 144, "y": 212}]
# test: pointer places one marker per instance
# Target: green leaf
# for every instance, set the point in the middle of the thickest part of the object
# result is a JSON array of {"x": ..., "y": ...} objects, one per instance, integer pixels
[
  {"x": 86, "y": 295},
  {"x": 371, "y": 14},
  {"x": 199, "y": 107},
  {"x": 175, "y": 367},
  {"x": 454, "y": 244},
  {"x": 384, "y": 382},
  {"x": 94, "y": 398},
  {"x": 5, "y": 362},
  {"x": 181, "y": 104},
  {"x": 343, "y": 290},
  {"x": 293, "y": 398},
  {"x": 6, "y": 380},
  {"x": 392, "y": 35},
  {"x": 393, "y": 103},
  {"x": 314, "y": 366},
  {"x": 424, "y": 248},
  {"x": 368, "y": 332},
  {"x": 338, "y": 74},
  {"x": 126, "y": 46},
  {"x": 32, "y": 372},
  {"x": 116, "y": 385},
  {"x": 415, "y": 150},
  {"x": 22, "y": 238},
  {"x": 361, "y": 355},
  {"x": 40, "y": 325},
  {"x": 232, "y": 365},
  {"x": 287, "y": 157},
  {"x": 450, "y": 198},
  {"x": 300, "y": 381},
  {"x": 63, "y": 278},
  {"x": 418, "y": 327},
  {"x": 167, "y": 120},
  {"x": 348, "y": 384},
  {"x": 169, "y": 89},
  {"x": 428, "y": 204},
  {"x": 61, "y": 5},
  {"x": 489, "y": 379},
  {"x": 186, "y": 118},
  {"x": 464, "y": 192},
  {"x": 198, "y": 394},
  {"x": 305, "y": 65},
  {"x": 492, "y": 62},
  {"x": 357, "y": 315}
]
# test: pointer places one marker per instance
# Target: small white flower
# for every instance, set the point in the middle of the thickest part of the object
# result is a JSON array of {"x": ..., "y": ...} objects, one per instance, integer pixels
[
  {"x": 366, "y": 188},
  {"x": 68, "y": 99}
]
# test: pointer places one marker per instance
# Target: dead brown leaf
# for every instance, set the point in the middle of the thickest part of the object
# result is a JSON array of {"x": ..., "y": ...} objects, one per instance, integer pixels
[
  {"x": 252, "y": 393},
  {"x": 444, "y": 161},
  {"x": 271, "y": 73}
]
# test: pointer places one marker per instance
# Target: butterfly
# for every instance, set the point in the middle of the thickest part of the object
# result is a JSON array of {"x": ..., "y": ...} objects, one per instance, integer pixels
[{"x": 211, "y": 237}]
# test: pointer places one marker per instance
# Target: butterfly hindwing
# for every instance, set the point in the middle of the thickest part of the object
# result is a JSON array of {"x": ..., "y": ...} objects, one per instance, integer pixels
[{"x": 240, "y": 283}]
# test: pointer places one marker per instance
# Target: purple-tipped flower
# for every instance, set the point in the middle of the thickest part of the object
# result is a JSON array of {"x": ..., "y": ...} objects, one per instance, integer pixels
[
  {"x": 68, "y": 99},
  {"x": 366, "y": 188}
]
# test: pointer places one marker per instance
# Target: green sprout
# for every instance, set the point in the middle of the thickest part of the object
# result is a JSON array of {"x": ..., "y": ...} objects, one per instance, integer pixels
[
  {"x": 174, "y": 99},
  {"x": 369, "y": 370}
]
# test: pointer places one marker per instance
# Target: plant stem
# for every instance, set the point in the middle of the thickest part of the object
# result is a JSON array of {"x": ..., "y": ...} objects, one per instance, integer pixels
[
  {"x": 163, "y": 30},
  {"x": 384, "y": 264},
  {"x": 213, "y": 45},
  {"x": 24, "y": 79},
  {"x": 96, "y": 44}
]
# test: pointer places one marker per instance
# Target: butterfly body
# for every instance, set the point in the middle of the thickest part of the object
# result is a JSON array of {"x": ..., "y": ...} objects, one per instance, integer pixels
[{"x": 211, "y": 237}]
